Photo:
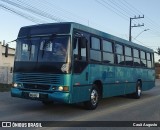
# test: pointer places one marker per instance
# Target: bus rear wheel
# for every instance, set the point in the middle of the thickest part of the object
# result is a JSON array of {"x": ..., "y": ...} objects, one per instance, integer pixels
[{"x": 94, "y": 99}]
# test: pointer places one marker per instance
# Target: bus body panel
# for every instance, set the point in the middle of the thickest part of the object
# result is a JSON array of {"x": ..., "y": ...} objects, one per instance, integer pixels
[
  {"x": 43, "y": 96},
  {"x": 33, "y": 83},
  {"x": 81, "y": 87},
  {"x": 115, "y": 80}
]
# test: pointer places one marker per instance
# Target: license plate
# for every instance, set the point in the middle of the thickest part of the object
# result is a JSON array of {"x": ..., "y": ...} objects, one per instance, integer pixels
[{"x": 34, "y": 95}]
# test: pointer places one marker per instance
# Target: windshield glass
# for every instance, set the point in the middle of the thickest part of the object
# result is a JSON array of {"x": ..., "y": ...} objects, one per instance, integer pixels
[{"x": 43, "y": 49}]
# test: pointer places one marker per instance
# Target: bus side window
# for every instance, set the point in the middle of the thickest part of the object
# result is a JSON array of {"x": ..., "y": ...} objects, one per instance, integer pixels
[
  {"x": 149, "y": 62},
  {"x": 143, "y": 59},
  {"x": 79, "y": 48},
  {"x": 95, "y": 50}
]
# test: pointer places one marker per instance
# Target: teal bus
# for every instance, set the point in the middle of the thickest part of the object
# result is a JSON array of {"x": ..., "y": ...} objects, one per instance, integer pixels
[{"x": 72, "y": 63}]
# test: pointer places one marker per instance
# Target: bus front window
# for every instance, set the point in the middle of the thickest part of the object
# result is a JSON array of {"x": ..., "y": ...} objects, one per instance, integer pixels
[
  {"x": 26, "y": 50},
  {"x": 54, "y": 50},
  {"x": 43, "y": 49}
]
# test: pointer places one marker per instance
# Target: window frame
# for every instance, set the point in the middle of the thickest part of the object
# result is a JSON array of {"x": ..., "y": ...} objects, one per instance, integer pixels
[
  {"x": 118, "y": 54},
  {"x": 99, "y": 43},
  {"x": 93, "y": 49},
  {"x": 143, "y": 59},
  {"x": 128, "y": 56},
  {"x": 149, "y": 60},
  {"x": 109, "y": 52}
]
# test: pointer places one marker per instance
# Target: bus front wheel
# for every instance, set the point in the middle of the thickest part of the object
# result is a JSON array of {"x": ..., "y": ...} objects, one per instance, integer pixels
[
  {"x": 138, "y": 92},
  {"x": 94, "y": 99}
]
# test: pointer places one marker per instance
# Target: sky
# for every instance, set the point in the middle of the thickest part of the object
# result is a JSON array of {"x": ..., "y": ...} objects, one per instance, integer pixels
[{"x": 110, "y": 16}]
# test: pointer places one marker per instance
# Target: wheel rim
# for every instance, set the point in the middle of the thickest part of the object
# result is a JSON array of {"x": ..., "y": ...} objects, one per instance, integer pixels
[
  {"x": 94, "y": 97},
  {"x": 139, "y": 90}
]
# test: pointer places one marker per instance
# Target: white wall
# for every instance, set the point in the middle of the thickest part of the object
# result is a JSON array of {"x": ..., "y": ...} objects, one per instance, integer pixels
[
  {"x": 5, "y": 75},
  {"x": 6, "y": 63}
]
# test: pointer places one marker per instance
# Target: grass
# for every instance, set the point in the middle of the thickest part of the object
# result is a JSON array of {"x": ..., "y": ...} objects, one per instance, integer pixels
[{"x": 5, "y": 87}]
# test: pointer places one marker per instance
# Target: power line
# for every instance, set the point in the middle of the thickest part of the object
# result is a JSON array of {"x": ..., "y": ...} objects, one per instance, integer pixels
[
  {"x": 153, "y": 26},
  {"x": 65, "y": 12},
  {"x": 128, "y": 7},
  {"x": 41, "y": 11},
  {"x": 51, "y": 7},
  {"x": 131, "y": 7},
  {"x": 111, "y": 9},
  {"x": 19, "y": 13},
  {"x": 32, "y": 10},
  {"x": 119, "y": 7}
]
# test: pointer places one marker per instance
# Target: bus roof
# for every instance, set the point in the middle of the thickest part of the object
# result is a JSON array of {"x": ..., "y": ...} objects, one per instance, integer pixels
[{"x": 92, "y": 31}]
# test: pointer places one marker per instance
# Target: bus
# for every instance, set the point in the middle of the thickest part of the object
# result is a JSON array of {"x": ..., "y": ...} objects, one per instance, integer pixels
[{"x": 72, "y": 63}]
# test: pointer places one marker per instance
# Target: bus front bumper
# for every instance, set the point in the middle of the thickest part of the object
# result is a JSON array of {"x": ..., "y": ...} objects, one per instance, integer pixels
[{"x": 42, "y": 96}]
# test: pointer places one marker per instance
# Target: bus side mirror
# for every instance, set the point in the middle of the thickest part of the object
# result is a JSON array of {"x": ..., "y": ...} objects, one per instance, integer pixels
[
  {"x": 83, "y": 41},
  {"x": 6, "y": 50}
]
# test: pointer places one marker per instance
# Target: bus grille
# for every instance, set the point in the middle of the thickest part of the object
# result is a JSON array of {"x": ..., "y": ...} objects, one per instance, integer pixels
[
  {"x": 39, "y": 78},
  {"x": 36, "y": 86}
]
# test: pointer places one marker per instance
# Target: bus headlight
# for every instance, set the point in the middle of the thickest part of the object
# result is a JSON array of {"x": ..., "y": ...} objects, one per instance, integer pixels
[
  {"x": 16, "y": 85},
  {"x": 60, "y": 88},
  {"x": 63, "y": 88}
]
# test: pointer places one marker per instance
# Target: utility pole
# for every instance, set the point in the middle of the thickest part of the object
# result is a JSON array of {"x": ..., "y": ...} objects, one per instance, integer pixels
[{"x": 130, "y": 25}]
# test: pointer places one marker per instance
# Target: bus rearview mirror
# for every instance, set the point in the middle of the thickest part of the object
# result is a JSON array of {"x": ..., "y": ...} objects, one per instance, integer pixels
[{"x": 82, "y": 42}]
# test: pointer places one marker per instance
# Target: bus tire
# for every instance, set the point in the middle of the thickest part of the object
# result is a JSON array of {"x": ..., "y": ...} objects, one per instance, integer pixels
[
  {"x": 138, "y": 92},
  {"x": 94, "y": 99},
  {"x": 48, "y": 103}
]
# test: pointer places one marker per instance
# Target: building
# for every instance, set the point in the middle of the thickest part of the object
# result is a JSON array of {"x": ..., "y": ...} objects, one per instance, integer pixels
[
  {"x": 6, "y": 61},
  {"x": 6, "y": 64}
]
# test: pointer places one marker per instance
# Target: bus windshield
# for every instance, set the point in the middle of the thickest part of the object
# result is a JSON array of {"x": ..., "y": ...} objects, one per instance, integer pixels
[{"x": 43, "y": 49}]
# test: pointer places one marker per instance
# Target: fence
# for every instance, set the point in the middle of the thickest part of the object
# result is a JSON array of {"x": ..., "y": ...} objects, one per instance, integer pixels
[{"x": 6, "y": 75}]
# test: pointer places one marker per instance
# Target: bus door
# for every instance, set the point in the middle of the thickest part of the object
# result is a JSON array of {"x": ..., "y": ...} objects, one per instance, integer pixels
[{"x": 80, "y": 91}]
